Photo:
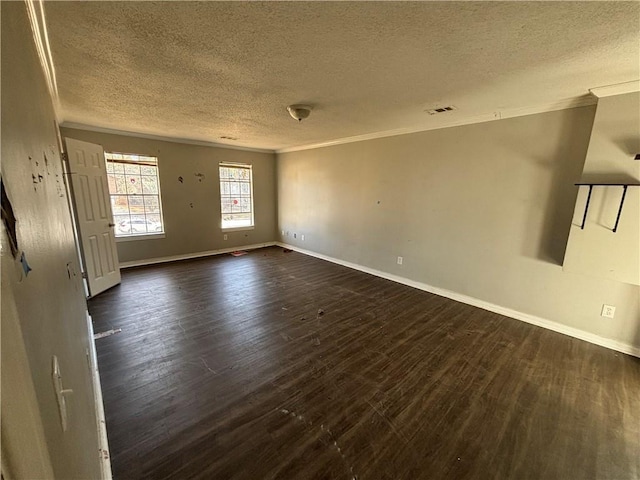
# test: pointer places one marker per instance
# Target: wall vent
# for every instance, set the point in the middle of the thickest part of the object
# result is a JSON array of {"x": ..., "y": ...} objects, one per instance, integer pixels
[
  {"x": 433, "y": 111},
  {"x": 225, "y": 137}
]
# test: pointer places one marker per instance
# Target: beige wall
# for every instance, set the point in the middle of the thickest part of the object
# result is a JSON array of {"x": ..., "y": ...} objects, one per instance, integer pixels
[
  {"x": 615, "y": 140},
  {"x": 24, "y": 450},
  {"x": 193, "y": 229},
  {"x": 482, "y": 210},
  {"x": 44, "y": 313}
]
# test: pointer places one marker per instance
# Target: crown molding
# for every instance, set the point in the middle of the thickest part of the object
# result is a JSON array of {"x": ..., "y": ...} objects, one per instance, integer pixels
[
  {"x": 457, "y": 121},
  {"x": 201, "y": 143},
  {"x": 616, "y": 89}
]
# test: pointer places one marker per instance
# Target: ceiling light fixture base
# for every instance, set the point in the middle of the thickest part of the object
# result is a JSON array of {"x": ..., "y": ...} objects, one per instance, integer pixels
[{"x": 299, "y": 112}]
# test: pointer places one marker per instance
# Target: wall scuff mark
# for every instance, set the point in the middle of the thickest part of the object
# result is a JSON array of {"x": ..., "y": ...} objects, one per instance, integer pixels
[{"x": 25, "y": 264}]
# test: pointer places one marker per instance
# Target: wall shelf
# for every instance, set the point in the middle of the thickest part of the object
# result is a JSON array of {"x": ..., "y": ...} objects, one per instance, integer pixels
[{"x": 624, "y": 194}]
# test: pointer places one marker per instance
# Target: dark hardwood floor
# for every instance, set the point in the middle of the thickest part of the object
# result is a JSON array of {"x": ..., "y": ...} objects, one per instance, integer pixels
[{"x": 278, "y": 365}]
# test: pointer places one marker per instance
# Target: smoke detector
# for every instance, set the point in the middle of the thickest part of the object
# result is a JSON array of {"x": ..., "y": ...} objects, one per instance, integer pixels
[{"x": 299, "y": 112}]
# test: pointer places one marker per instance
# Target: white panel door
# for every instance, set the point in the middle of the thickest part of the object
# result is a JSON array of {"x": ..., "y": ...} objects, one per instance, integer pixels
[{"x": 90, "y": 190}]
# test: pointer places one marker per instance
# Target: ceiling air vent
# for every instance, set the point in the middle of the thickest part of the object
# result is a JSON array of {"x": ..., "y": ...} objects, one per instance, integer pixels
[{"x": 441, "y": 110}]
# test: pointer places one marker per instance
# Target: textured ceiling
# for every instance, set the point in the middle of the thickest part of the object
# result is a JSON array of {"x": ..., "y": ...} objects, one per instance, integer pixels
[{"x": 205, "y": 70}]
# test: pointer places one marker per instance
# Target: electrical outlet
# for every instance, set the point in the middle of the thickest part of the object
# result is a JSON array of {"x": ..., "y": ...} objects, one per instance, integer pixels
[
  {"x": 302, "y": 237},
  {"x": 400, "y": 260},
  {"x": 608, "y": 311},
  {"x": 283, "y": 233},
  {"x": 295, "y": 235},
  {"x": 224, "y": 237}
]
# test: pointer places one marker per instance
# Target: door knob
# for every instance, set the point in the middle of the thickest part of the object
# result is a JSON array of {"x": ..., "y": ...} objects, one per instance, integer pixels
[{"x": 112, "y": 224}]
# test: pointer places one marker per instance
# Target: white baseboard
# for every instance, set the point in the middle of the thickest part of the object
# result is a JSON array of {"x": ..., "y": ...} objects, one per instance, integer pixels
[
  {"x": 507, "y": 312},
  {"x": 103, "y": 443},
  {"x": 188, "y": 256}
]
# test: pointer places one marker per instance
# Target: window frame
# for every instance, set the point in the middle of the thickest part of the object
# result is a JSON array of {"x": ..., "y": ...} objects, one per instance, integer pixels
[
  {"x": 246, "y": 166},
  {"x": 145, "y": 235}
]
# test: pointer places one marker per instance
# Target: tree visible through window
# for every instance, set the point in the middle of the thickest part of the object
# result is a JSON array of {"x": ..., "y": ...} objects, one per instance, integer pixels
[
  {"x": 135, "y": 194},
  {"x": 236, "y": 195}
]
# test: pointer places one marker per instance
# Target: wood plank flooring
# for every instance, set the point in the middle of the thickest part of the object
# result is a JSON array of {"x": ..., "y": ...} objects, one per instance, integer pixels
[{"x": 276, "y": 365}]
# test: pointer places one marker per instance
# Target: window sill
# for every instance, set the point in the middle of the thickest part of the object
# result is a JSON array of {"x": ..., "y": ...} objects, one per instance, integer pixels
[
  {"x": 148, "y": 236},
  {"x": 237, "y": 229}
]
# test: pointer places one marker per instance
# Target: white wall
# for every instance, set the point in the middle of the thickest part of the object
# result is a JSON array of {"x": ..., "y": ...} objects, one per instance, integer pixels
[
  {"x": 597, "y": 250},
  {"x": 481, "y": 210},
  {"x": 44, "y": 312}
]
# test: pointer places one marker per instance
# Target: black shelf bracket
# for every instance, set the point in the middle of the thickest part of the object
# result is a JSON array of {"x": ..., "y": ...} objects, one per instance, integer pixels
[{"x": 624, "y": 194}]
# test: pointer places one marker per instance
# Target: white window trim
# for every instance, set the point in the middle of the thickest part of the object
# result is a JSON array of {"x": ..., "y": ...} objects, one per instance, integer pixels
[
  {"x": 237, "y": 229},
  {"x": 249, "y": 166},
  {"x": 146, "y": 236}
]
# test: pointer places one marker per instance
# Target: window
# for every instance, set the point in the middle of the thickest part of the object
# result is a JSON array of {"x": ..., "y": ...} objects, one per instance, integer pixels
[
  {"x": 135, "y": 194},
  {"x": 236, "y": 196}
]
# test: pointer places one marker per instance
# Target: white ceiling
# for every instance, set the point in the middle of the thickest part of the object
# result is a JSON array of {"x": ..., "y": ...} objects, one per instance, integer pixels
[{"x": 203, "y": 70}]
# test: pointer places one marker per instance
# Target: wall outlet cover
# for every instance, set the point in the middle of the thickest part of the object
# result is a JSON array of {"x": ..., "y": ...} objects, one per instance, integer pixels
[
  {"x": 608, "y": 311},
  {"x": 400, "y": 260}
]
